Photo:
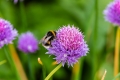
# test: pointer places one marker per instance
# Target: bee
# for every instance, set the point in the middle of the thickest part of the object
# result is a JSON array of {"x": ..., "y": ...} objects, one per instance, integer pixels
[{"x": 46, "y": 40}]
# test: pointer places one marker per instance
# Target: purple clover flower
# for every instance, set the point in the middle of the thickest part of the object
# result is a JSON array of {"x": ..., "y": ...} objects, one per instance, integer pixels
[
  {"x": 68, "y": 46},
  {"x": 27, "y": 43},
  {"x": 112, "y": 12},
  {"x": 7, "y": 33}
]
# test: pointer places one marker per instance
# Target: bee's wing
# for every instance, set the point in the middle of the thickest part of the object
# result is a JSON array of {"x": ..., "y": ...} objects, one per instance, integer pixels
[
  {"x": 44, "y": 40},
  {"x": 47, "y": 39},
  {"x": 41, "y": 41}
]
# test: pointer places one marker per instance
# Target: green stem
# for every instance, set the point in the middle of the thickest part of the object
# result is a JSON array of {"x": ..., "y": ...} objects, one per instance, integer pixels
[
  {"x": 44, "y": 71},
  {"x": 10, "y": 60},
  {"x": 31, "y": 76},
  {"x": 96, "y": 21},
  {"x": 23, "y": 16},
  {"x": 95, "y": 34},
  {"x": 7, "y": 55},
  {"x": 53, "y": 71}
]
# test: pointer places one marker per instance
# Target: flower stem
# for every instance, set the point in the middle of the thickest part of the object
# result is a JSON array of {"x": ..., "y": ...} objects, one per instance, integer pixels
[
  {"x": 116, "y": 56},
  {"x": 11, "y": 61},
  {"x": 96, "y": 21},
  {"x": 31, "y": 76},
  {"x": 17, "y": 62},
  {"x": 53, "y": 71},
  {"x": 44, "y": 71},
  {"x": 95, "y": 34},
  {"x": 7, "y": 55},
  {"x": 23, "y": 16}
]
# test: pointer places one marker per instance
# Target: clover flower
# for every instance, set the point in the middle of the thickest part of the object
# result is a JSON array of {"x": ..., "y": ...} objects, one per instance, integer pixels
[
  {"x": 112, "y": 12},
  {"x": 68, "y": 46},
  {"x": 27, "y": 43},
  {"x": 7, "y": 33}
]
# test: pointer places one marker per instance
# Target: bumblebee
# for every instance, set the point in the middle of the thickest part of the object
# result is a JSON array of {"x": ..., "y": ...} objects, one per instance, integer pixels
[{"x": 46, "y": 40}]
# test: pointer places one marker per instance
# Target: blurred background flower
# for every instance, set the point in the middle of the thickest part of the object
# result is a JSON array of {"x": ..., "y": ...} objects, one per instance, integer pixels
[
  {"x": 112, "y": 15},
  {"x": 27, "y": 43},
  {"x": 15, "y": 1},
  {"x": 112, "y": 12},
  {"x": 7, "y": 33}
]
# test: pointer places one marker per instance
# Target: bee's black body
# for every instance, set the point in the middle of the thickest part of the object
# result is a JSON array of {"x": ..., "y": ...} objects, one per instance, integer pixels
[{"x": 46, "y": 41}]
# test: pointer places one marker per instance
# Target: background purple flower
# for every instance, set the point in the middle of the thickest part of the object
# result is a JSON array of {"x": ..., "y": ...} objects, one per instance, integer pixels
[
  {"x": 68, "y": 46},
  {"x": 7, "y": 33},
  {"x": 27, "y": 43},
  {"x": 16, "y": 1},
  {"x": 112, "y": 12}
]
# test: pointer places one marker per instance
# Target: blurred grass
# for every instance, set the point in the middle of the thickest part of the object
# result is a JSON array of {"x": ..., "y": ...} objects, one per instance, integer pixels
[
  {"x": 2, "y": 62},
  {"x": 40, "y": 16},
  {"x": 17, "y": 63}
]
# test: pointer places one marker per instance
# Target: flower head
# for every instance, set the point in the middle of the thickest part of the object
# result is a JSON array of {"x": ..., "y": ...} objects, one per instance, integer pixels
[
  {"x": 112, "y": 12},
  {"x": 68, "y": 46},
  {"x": 27, "y": 43},
  {"x": 7, "y": 33}
]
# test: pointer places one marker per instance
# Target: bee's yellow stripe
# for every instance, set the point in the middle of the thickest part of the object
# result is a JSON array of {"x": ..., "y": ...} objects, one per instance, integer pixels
[
  {"x": 48, "y": 42},
  {"x": 53, "y": 33}
]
